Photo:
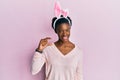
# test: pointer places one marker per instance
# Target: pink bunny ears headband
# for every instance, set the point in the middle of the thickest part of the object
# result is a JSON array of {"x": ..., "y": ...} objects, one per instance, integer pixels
[{"x": 59, "y": 12}]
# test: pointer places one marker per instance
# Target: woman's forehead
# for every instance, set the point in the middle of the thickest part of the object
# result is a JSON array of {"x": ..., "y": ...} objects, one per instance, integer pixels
[{"x": 64, "y": 26}]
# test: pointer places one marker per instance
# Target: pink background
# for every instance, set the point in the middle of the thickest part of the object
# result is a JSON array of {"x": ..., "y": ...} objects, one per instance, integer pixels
[{"x": 96, "y": 29}]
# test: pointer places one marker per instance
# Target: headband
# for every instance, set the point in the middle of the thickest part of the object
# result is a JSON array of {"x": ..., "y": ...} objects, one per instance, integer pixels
[{"x": 59, "y": 12}]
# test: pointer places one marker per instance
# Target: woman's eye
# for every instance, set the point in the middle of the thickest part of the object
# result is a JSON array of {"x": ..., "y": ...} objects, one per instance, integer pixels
[
  {"x": 67, "y": 30},
  {"x": 60, "y": 31}
]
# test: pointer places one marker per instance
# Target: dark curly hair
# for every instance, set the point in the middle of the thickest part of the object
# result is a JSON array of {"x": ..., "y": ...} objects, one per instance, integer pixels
[{"x": 60, "y": 21}]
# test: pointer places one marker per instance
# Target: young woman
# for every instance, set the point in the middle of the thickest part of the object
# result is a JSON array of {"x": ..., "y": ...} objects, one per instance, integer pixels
[{"x": 63, "y": 59}]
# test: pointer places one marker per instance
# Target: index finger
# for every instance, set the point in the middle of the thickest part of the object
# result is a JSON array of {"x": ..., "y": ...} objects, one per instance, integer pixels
[{"x": 48, "y": 38}]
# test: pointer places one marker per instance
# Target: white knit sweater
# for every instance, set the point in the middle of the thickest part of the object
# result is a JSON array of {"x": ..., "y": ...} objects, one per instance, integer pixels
[{"x": 59, "y": 66}]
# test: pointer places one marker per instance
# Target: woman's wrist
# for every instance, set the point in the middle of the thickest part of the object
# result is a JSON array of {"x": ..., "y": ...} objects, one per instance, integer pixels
[{"x": 38, "y": 50}]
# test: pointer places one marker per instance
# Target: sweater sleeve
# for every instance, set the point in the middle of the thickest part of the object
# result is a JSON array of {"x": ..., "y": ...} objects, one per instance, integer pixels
[
  {"x": 80, "y": 67},
  {"x": 37, "y": 62}
]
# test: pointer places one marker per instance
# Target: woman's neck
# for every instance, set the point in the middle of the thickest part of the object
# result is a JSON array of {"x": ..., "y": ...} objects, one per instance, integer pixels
[{"x": 60, "y": 43}]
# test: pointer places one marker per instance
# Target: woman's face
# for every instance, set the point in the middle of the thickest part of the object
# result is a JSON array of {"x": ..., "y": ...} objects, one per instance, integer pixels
[{"x": 63, "y": 32}]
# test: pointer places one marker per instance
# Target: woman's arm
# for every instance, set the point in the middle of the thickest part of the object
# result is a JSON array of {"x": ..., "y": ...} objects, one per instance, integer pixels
[
  {"x": 39, "y": 56},
  {"x": 37, "y": 62},
  {"x": 80, "y": 67}
]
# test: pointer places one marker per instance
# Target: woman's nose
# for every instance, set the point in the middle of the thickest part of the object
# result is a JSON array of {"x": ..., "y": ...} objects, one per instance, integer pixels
[{"x": 64, "y": 33}]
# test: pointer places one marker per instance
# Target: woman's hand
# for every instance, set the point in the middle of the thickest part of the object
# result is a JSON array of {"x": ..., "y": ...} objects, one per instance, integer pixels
[{"x": 43, "y": 43}]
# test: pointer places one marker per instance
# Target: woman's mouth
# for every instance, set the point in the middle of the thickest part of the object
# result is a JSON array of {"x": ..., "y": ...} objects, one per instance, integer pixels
[{"x": 65, "y": 37}]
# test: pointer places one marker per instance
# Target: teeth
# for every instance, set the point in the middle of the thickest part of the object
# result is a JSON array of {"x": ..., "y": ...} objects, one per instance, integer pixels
[{"x": 65, "y": 37}]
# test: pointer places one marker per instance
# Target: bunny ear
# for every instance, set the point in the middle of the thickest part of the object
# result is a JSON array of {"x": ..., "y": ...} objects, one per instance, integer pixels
[
  {"x": 65, "y": 12},
  {"x": 57, "y": 9}
]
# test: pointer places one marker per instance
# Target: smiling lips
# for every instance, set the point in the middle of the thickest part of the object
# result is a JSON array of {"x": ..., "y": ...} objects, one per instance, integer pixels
[{"x": 65, "y": 37}]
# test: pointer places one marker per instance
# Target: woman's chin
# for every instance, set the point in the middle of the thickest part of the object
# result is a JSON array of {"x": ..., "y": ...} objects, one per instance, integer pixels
[{"x": 65, "y": 40}]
